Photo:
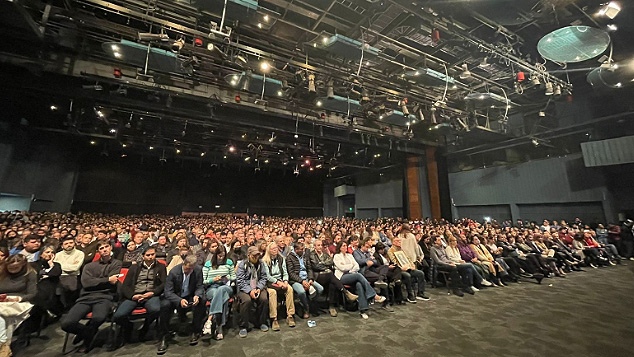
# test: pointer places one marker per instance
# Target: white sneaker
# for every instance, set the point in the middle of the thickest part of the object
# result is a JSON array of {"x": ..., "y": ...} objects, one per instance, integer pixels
[
  {"x": 364, "y": 316},
  {"x": 486, "y": 282},
  {"x": 380, "y": 299},
  {"x": 207, "y": 328},
  {"x": 475, "y": 289},
  {"x": 631, "y": 258}
]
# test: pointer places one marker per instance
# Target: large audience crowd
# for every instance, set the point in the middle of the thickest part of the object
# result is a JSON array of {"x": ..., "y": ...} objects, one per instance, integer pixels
[{"x": 86, "y": 269}]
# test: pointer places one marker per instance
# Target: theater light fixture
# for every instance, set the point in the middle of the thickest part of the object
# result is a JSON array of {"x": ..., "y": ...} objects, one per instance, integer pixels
[
  {"x": 330, "y": 90},
  {"x": 610, "y": 10},
  {"x": 403, "y": 104},
  {"x": 147, "y": 36},
  {"x": 535, "y": 80},
  {"x": 549, "y": 88},
  {"x": 178, "y": 45},
  {"x": 246, "y": 80},
  {"x": 311, "y": 83},
  {"x": 265, "y": 66},
  {"x": 465, "y": 72}
]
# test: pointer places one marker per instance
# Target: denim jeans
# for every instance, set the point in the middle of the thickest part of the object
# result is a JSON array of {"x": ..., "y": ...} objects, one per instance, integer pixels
[
  {"x": 300, "y": 292},
  {"x": 218, "y": 296},
  {"x": 362, "y": 288},
  {"x": 152, "y": 305}
]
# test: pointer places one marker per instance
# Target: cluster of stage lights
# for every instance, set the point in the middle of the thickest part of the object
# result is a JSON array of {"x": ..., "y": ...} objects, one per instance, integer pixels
[{"x": 232, "y": 149}]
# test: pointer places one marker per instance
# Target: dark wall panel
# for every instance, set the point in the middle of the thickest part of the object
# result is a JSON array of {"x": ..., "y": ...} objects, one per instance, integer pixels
[
  {"x": 134, "y": 186},
  {"x": 496, "y": 212},
  {"x": 545, "y": 188},
  {"x": 42, "y": 169},
  {"x": 590, "y": 212}
]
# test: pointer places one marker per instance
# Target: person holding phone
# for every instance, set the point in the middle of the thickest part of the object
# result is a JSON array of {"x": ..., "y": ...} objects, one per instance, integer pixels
[
  {"x": 219, "y": 277},
  {"x": 184, "y": 291}
]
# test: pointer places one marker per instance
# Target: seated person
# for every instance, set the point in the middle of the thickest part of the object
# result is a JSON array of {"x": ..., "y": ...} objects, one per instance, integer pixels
[
  {"x": 322, "y": 266},
  {"x": 368, "y": 265},
  {"x": 99, "y": 286},
  {"x": 475, "y": 280},
  {"x": 533, "y": 256},
  {"x": 394, "y": 273},
  {"x": 218, "y": 276},
  {"x": 70, "y": 259},
  {"x": 411, "y": 276},
  {"x": 134, "y": 250},
  {"x": 48, "y": 273},
  {"x": 606, "y": 250},
  {"x": 142, "y": 287},
  {"x": 183, "y": 292},
  {"x": 277, "y": 281},
  {"x": 162, "y": 246},
  {"x": 486, "y": 259},
  {"x": 251, "y": 282},
  {"x": 347, "y": 270},
  {"x": 17, "y": 290},
  {"x": 30, "y": 248},
  {"x": 301, "y": 277},
  {"x": 179, "y": 259},
  {"x": 181, "y": 242},
  {"x": 443, "y": 263}
]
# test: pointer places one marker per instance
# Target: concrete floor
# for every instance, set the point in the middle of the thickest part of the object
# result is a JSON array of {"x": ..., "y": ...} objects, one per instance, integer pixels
[{"x": 586, "y": 314}]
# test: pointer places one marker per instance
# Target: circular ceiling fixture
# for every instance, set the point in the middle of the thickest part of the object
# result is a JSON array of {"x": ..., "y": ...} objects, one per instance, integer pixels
[{"x": 573, "y": 44}]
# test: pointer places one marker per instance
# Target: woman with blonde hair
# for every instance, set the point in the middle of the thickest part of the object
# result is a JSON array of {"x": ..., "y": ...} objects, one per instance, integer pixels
[{"x": 277, "y": 283}]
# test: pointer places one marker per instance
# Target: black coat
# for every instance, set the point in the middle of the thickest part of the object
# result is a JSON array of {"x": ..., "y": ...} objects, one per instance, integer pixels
[
  {"x": 47, "y": 282},
  {"x": 160, "y": 275},
  {"x": 293, "y": 267}
]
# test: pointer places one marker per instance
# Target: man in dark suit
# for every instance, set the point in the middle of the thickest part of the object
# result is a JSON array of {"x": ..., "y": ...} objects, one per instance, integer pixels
[
  {"x": 142, "y": 287},
  {"x": 183, "y": 291}
]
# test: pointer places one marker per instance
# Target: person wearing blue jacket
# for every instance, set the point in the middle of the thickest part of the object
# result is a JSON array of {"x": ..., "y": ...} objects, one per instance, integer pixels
[{"x": 251, "y": 281}]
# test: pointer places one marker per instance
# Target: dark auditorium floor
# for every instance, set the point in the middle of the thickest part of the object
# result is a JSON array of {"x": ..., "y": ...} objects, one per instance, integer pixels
[{"x": 586, "y": 314}]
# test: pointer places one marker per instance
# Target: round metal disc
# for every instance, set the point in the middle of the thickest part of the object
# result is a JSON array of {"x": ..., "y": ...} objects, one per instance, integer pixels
[{"x": 573, "y": 44}]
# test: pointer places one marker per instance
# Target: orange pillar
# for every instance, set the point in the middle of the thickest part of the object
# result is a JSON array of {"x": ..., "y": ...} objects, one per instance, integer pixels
[
  {"x": 432, "y": 181},
  {"x": 414, "y": 205}
]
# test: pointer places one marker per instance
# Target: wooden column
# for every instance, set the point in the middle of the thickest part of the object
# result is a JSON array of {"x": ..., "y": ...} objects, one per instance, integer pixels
[
  {"x": 414, "y": 205},
  {"x": 432, "y": 181}
]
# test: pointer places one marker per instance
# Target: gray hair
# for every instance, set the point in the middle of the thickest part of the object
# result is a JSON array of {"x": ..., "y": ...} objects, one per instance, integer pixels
[{"x": 190, "y": 260}]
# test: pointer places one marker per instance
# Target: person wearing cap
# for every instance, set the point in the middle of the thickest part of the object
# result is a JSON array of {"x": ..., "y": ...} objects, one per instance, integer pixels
[{"x": 251, "y": 280}]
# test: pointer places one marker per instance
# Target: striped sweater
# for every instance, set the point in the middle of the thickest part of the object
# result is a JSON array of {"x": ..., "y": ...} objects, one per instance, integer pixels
[{"x": 209, "y": 273}]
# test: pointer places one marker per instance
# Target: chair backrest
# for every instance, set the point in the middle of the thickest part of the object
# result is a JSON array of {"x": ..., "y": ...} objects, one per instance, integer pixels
[{"x": 122, "y": 274}]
